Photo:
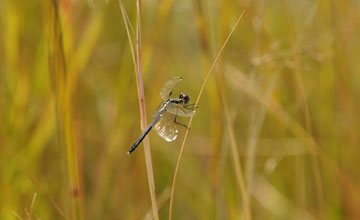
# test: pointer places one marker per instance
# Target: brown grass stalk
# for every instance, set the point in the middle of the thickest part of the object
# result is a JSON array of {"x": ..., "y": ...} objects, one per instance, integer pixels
[
  {"x": 190, "y": 122},
  {"x": 141, "y": 97}
]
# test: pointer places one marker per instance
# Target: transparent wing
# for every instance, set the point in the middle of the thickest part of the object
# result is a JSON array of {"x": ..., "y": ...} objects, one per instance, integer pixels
[
  {"x": 154, "y": 114},
  {"x": 168, "y": 88},
  {"x": 181, "y": 110},
  {"x": 166, "y": 128}
]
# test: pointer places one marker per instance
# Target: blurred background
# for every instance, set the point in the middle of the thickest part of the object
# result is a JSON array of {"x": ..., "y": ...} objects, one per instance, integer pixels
[{"x": 283, "y": 100}]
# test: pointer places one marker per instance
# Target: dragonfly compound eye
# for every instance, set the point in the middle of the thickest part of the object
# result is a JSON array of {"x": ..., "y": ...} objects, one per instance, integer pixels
[{"x": 186, "y": 99}]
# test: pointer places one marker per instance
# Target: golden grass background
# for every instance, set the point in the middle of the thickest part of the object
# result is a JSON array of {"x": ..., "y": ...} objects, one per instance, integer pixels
[{"x": 285, "y": 93}]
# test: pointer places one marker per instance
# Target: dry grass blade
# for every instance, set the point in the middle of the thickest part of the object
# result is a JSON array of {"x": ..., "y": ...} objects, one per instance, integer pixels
[
  {"x": 16, "y": 215},
  {"x": 140, "y": 87},
  {"x": 129, "y": 30},
  {"x": 189, "y": 125},
  {"x": 141, "y": 96},
  {"x": 162, "y": 199},
  {"x": 32, "y": 205}
]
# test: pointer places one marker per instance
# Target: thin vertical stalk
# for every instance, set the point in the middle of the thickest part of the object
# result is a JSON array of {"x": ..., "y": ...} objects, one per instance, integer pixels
[
  {"x": 141, "y": 97},
  {"x": 140, "y": 84},
  {"x": 129, "y": 31},
  {"x": 190, "y": 122}
]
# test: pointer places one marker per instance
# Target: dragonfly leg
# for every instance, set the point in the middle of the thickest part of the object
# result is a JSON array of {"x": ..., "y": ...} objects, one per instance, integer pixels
[
  {"x": 190, "y": 105},
  {"x": 180, "y": 123}
]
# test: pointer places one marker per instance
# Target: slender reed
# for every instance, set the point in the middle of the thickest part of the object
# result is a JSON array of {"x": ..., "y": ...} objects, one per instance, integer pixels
[
  {"x": 196, "y": 103},
  {"x": 141, "y": 97}
]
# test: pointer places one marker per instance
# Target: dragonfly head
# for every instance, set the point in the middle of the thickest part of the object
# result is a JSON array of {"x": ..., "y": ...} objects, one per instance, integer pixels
[{"x": 184, "y": 98}]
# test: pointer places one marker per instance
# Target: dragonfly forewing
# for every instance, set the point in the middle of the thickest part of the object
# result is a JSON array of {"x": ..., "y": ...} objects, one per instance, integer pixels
[{"x": 168, "y": 88}]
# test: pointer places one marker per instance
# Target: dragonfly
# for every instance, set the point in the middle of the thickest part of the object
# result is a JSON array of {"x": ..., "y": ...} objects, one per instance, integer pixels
[{"x": 164, "y": 123}]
